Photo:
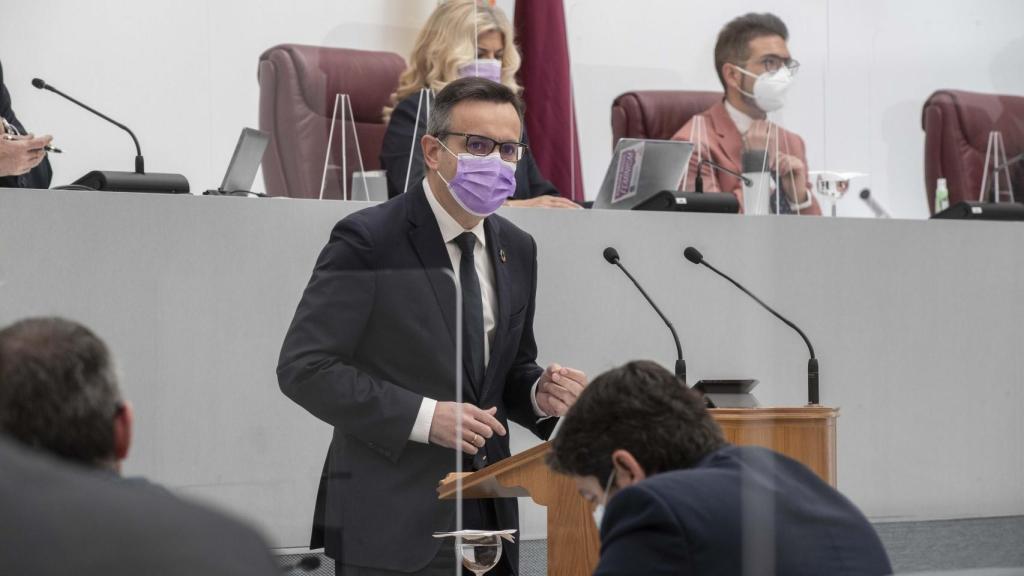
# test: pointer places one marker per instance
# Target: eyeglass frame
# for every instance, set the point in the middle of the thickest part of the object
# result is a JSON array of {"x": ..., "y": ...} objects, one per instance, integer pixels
[
  {"x": 521, "y": 150},
  {"x": 791, "y": 63}
]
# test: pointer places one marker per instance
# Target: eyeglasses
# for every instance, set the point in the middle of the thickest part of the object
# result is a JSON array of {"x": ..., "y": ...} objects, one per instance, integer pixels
[
  {"x": 774, "y": 63},
  {"x": 483, "y": 146}
]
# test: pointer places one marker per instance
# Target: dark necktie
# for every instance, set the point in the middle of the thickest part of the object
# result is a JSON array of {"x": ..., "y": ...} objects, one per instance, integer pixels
[{"x": 472, "y": 311}]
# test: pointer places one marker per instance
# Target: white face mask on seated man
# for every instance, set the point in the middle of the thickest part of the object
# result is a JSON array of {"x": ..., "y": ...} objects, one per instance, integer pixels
[
  {"x": 599, "y": 509},
  {"x": 770, "y": 88}
]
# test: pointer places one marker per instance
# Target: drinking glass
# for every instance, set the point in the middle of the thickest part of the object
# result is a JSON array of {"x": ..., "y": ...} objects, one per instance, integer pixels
[{"x": 480, "y": 553}]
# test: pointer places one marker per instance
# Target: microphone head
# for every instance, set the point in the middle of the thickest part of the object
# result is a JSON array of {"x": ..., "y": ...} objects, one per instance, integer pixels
[
  {"x": 38, "y": 83},
  {"x": 611, "y": 255},
  {"x": 693, "y": 255},
  {"x": 865, "y": 194}
]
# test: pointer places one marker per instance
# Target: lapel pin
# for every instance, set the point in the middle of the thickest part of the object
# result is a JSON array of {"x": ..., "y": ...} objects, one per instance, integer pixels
[{"x": 502, "y": 256}]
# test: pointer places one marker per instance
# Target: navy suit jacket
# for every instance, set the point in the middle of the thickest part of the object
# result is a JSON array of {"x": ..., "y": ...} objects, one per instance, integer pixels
[
  {"x": 38, "y": 177},
  {"x": 372, "y": 336},
  {"x": 741, "y": 510},
  {"x": 394, "y": 155}
]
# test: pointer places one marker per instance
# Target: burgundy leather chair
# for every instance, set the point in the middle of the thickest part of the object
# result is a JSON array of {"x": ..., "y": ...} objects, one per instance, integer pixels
[
  {"x": 298, "y": 85},
  {"x": 657, "y": 114},
  {"x": 956, "y": 126}
]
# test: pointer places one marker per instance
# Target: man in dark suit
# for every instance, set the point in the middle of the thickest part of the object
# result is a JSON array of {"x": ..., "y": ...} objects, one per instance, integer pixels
[
  {"x": 682, "y": 501},
  {"x": 23, "y": 162},
  {"x": 58, "y": 519},
  {"x": 372, "y": 348}
]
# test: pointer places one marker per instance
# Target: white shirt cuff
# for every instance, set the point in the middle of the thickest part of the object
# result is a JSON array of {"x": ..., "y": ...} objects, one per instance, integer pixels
[
  {"x": 806, "y": 203},
  {"x": 421, "y": 427},
  {"x": 533, "y": 400}
]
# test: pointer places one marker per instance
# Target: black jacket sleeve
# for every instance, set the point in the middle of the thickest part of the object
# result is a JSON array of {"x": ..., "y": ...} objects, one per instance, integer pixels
[
  {"x": 38, "y": 177},
  {"x": 316, "y": 367}
]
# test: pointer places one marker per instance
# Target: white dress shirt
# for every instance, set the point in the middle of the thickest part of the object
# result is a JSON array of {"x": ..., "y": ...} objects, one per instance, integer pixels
[
  {"x": 450, "y": 230},
  {"x": 741, "y": 120}
]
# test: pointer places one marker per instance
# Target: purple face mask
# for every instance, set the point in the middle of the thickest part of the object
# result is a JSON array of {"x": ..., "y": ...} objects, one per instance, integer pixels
[
  {"x": 486, "y": 68},
  {"x": 481, "y": 183}
]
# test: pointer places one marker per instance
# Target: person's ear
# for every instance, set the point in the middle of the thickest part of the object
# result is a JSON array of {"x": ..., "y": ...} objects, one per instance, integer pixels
[
  {"x": 431, "y": 152},
  {"x": 627, "y": 470},
  {"x": 123, "y": 421},
  {"x": 733, "y": 77}
]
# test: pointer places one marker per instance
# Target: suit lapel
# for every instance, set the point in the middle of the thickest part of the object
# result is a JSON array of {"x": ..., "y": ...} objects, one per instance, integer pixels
[
  {"x": 426, "y": 240},
  {"x": 502, "y": 286},
  {"x": 728, "y": 134}
]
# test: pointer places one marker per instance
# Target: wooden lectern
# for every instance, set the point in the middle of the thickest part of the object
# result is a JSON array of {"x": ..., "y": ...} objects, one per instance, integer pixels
[{"x": 806, "y": 434}]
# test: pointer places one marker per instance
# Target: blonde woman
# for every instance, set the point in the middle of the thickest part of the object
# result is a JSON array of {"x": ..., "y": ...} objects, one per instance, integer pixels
[{"x": 446, "y": 50}]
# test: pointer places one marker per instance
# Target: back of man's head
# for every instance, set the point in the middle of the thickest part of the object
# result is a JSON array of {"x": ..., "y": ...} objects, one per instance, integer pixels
[
  {"x": 733, "y": 45},
  {"x": 58, "y": 392},
  {"x": 643, "y": 409}
]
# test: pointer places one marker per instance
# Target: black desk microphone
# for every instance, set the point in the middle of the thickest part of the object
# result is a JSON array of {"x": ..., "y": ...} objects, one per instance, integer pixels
[{"x": 138, "y": 181}]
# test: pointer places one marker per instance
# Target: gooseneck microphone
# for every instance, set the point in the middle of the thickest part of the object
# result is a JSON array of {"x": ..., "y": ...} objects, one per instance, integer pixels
[
  {"x": 876, "y": 208},
  {"x": 138, "y": 181},
  {"x": 140, "y": 163},
  {"x": 694, "y": 255},
  {"x": 698, "y": 182},
  {"x": 612, "y": 256}
]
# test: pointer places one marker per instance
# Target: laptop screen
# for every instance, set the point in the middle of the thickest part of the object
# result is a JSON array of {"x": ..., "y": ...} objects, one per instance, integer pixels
[
  {"x": 640, "y": 169},
  {"x": 245, "y": 162}
]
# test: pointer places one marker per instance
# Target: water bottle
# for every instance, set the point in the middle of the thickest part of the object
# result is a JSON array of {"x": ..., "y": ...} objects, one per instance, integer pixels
[{"x": 941, "y": 196}]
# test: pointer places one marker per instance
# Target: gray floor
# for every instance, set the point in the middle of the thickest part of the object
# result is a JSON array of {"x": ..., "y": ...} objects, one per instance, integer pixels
[{"x": 952, "y": 545}]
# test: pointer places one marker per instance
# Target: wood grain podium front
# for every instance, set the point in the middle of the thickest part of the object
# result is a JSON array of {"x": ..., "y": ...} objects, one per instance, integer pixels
[{"x": 806, "y": 434}]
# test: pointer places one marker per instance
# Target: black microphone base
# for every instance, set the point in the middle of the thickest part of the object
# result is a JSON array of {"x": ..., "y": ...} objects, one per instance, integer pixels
[
  {"x": 728, "y": 393},
  {"x": 153, "y": 183},
  {"x": 1007, "y": 211},
  {"x": 712, "y": 203}
]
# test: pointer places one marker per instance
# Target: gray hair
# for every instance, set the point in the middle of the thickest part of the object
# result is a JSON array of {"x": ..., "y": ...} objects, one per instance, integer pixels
[
  {"x": 468, "y": 90},
  {"x": 58, "y": 391}
]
